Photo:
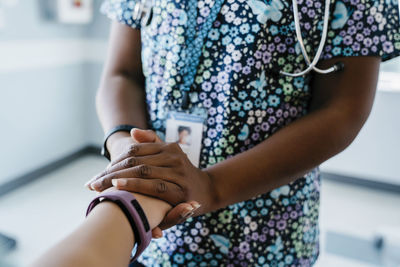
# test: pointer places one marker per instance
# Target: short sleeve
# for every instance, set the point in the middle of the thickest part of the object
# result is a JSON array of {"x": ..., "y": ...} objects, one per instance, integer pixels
[
  {"x": 121, "y": 11},
  {"x": 364, "y": 28}
]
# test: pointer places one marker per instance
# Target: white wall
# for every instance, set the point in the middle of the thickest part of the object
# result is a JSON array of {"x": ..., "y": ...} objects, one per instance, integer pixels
[
  {"x": 40, "y": 115},
  {"x": 375, "y": 154},
  {"x": 46, "y": 90}
]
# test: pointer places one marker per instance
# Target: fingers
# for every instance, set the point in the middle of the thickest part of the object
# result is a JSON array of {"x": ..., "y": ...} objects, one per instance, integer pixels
[
  {"x": 157, "y": 160},
  {"x": 145, "y": 136},
  {"x": 136, "y": 150},
  {"x": 140, "y": 171},
  {"x": 165, "y": 155},
  {"x": 179, "y": 214},
  {"x": 156, "y": 188}
]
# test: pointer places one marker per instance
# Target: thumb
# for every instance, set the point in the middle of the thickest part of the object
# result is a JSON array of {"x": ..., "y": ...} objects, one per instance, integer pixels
[
  {"x": 157, "y": 232},
  {"x": 179, "y": 214},
  {"x": 145, "y": 136}
]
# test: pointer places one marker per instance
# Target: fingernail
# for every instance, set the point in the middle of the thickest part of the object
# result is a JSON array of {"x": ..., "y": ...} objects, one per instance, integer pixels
[
  {"x": 196, "y": 206},
  {"x": 119, "y": 182},
  {"x": 87, "y": 185},
  {"x": 157, "y": 236},
  {"x": 187, "y": 212},
  {"x": 96, "y": 185},
  {"x": 188, "y": 215}
]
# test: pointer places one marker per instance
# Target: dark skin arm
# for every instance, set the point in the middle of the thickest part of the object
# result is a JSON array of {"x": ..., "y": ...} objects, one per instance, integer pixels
[
  {"x": 340, "y": 106},
  {"x": 120, "y": 100}
]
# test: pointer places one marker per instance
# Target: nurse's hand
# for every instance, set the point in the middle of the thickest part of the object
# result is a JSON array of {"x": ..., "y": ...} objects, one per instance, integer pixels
[
  {"x": 163, "y": 171},
  {"x": 119, "y": 143},
  {"x": 160, "y": 170},
  {"x": 180, "y": 212}
]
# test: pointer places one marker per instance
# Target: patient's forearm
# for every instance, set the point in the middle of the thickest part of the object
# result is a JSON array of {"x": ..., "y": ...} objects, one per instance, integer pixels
[{"x": 105, "y": 238}]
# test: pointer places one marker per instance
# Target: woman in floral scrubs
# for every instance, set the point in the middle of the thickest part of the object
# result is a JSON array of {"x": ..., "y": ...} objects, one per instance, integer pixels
[{"x": 265, "y": 133}]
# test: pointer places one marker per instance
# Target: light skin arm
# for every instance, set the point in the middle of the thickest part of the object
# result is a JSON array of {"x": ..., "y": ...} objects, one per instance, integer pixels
[
  {"x": 340, "y": 105},
  {"x": 105, "y": 238}
]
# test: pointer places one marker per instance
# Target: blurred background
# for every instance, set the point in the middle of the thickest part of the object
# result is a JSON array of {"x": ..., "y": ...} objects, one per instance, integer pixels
[{"x": 51, "y": 56}]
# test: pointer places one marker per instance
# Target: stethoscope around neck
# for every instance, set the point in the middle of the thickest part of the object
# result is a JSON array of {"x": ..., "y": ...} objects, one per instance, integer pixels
[
  {"x": 143, "y": 10},
  {"x": 312, "y": 64}
]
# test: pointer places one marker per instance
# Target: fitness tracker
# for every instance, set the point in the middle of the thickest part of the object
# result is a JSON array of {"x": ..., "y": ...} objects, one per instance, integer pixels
[
  {"x": 119, "y": 128},
  {"x": 133, "y": 211}
]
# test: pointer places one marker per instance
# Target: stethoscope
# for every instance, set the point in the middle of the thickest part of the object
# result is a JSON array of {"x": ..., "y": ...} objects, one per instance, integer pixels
[
  {"x": 312, "y": 65},
  {"x": 143, "y": 10}
]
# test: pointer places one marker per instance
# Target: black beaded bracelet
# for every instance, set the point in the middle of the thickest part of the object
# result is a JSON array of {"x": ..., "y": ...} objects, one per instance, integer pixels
[{"x": 119, "y": 128}]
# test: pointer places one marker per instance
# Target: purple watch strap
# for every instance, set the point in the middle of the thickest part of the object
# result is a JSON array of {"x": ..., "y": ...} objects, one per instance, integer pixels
[{"x": 135, "y": 214}]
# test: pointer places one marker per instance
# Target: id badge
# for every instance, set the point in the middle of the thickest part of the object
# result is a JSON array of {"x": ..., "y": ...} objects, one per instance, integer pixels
[{"x": 186, "y": 130}]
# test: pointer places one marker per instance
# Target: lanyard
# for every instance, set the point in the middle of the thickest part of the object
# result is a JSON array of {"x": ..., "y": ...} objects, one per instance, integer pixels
[{"x": 194, "y": 45}]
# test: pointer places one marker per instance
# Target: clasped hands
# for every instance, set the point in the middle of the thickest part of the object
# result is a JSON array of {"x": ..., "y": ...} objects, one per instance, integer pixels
[{"x": 161, "y": 170}]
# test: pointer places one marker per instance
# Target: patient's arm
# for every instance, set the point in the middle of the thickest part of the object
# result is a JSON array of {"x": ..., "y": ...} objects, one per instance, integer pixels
[{"x": 105, "y": 238}]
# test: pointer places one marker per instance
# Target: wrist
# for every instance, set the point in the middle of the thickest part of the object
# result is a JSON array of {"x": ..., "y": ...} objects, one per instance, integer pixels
[
  {"x": 155, "y": 209},
  {"x": 214, "y": 201},
  {"x": 108, "y": 219},
  {"x": 114, "y": 142},
  {"x": 133, "y": 212}
]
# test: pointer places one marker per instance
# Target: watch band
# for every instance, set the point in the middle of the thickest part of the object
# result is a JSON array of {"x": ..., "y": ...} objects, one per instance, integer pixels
[
  {"x": 119, "y": 128},
  {"x": 135, "y": 214}
]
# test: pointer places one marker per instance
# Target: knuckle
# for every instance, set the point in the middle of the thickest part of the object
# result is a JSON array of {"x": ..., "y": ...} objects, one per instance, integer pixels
[
  {"x": 103, "y": 183},
  {"x": 144, "y": 170},
  {"x": 160, "y": 186},
  {"x": 133, "y": 149},
  {"x": 129, "y": 162},
  {"x": 183, "y": 194},
  {"x": 171, "y": 146}
]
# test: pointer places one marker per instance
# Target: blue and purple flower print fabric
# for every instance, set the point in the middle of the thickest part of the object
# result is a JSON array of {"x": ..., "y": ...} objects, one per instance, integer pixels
[{"x": 246, "y": 104}]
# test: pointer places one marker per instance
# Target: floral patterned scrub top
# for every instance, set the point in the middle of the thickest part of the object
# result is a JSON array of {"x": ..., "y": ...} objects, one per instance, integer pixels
[{"x": 246, "y": 104}]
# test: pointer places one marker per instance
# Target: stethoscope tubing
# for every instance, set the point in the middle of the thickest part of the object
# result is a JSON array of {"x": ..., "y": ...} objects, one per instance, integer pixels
[
  {"x": 143, "y": 10},
  {"x": 311, "y": 65}
]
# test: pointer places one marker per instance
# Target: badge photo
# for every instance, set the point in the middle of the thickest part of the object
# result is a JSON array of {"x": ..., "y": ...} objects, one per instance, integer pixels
[{"x": 187, "y": 131}]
